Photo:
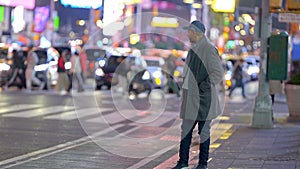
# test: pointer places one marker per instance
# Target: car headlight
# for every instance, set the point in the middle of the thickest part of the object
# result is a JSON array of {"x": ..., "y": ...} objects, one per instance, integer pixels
[
  {"x": 68, "y": 65},
  {"x": 157, "y": 81},
  {"x": 252, "y": 70},
  {"x": 176, "y": 73},
  {"x": 4, "y": 67},
  {"x": 157, "y": 74},
  {"x": 101, "y": 63},
  {"x": 42, "y": 67},
  {"x": 146, "y": 76},
  {"x": 99, "y": 72},
  {"x": 227, "y": 76}
]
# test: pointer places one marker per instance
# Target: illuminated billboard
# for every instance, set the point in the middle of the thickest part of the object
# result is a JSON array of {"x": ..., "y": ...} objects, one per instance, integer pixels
[
  {"x": 28, "y": 4},
  {"x": 82, "y": 3},
  {"x": 41, "y": 16},
  {"x": 223, "y": 6}
]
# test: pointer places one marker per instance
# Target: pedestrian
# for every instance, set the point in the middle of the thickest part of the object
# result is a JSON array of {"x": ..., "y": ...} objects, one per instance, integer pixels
[
  {"x": 200, "y": 105},
  {"x": 83, "y": 64},
  {"x": 32, "y": 60},
  {"x": 170, "y": 68},
  {"x": 238, "y": 77},
  {"x": 275, "y": 88},
  {"x": 75, "y": 72},
  {"x": 122, "y": 74},
  {"x": 18, "y": 70},
  {"x": 63, "y": 79}
]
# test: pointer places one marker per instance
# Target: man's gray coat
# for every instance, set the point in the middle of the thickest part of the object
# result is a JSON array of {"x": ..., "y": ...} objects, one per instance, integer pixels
[{"x": 203, "y": 73}]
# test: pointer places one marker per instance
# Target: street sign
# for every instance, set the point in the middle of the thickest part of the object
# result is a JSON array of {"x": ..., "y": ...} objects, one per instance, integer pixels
[{"x": 289, "y": 17}]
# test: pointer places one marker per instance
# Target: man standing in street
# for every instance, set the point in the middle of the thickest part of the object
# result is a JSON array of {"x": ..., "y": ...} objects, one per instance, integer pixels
[{"x": 200, "y": 105}]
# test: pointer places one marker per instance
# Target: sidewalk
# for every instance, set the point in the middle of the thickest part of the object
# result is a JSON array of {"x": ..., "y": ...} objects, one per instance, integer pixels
[{"x": 244, "y": 147}]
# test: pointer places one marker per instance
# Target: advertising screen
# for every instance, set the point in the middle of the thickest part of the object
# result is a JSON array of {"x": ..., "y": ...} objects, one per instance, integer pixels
[
  {"x": 28, "y": 4},
  {"x": 41, "y": 16},
  {"x": 82, "y": 4}
]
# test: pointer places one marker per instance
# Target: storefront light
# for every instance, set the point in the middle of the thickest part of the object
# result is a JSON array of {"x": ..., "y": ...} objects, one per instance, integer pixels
[
  {"x": 241, "y": 43},
  {"x": 197, "y": 5},
  {"x": 188, "y": 1},
  {"x": 243, "y": 32},
  {"x": 208, "y": 2},
  {"x": 223, "y": 6},
  {"x": 237, "y": 28},
  {"x": 252, "y": 31}
]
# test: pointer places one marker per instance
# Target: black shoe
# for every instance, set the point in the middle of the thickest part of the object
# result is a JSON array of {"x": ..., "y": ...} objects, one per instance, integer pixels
[
  {"x": 200, "y": 166},
  {"x": 181, "y": 166}
]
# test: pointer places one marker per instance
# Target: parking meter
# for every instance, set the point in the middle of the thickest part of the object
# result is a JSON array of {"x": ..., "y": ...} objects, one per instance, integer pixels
[{"x": 277, "y": 65}]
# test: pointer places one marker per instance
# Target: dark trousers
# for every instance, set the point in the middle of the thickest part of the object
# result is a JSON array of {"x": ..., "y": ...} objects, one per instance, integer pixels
[
  {"x": 238, "y": 83},
  {"x": 17, "y": 73},
  {"x": 187, "y": 128}
]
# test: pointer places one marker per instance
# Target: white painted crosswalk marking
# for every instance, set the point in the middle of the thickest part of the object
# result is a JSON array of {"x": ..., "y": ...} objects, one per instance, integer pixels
[
  {"x": 158, "y": 120},
  {"x": 113, "y": 117},
  {"x": 3, "y": 104},
  {"x": 40, "y": 111},
  {"x": 18, "y": 107},
  {"x": 80, "y": 113}
]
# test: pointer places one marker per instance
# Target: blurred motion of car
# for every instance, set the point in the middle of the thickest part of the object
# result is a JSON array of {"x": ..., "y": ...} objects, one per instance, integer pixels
[
  {"x": 154, "y": 67},
  {"x": 94, "y": 55},
  {"x": 178, "y": 73},
  {"x": 252, "y": 66},
  {"x": 139, "y": 77},
  {"x": 228, "y": 75},
  {"x": 5, "y": 68},
  {"x": 106, "y": 67}
]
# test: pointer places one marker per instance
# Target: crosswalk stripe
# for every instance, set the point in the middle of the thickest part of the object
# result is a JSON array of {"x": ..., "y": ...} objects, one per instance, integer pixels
[
  {"x": 39, "y": 112},
  {"x": 80, "y": 113},
  {"x": 114, "y": 117},
  {"x": 3, "y": 104},
  {"x": 140, "y": 117},
  {"x": 158, "y": 120},
  {"x": 18, "y": 107}
]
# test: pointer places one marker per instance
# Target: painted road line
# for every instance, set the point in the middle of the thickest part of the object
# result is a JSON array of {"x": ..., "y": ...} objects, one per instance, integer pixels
[
  {"x": 3, "y": 104},
  {"x": 78, "y": 113},
  {"x": 35, "y": 155},
  {"x": 7, "y": 109},
  {"x": 158, "y": 120},
  {"x": 151, "y": 158},
  {"x": 39, "y": 112},
  {"x": 172, "y": 160},
  {"x": 115, "y": 117}
]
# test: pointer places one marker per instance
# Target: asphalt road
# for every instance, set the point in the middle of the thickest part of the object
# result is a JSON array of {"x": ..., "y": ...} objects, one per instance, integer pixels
[{"x": 95, "y": 129}]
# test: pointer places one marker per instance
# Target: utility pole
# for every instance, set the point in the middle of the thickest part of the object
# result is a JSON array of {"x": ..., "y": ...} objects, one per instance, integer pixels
[{"x": 262, "y": 116}]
